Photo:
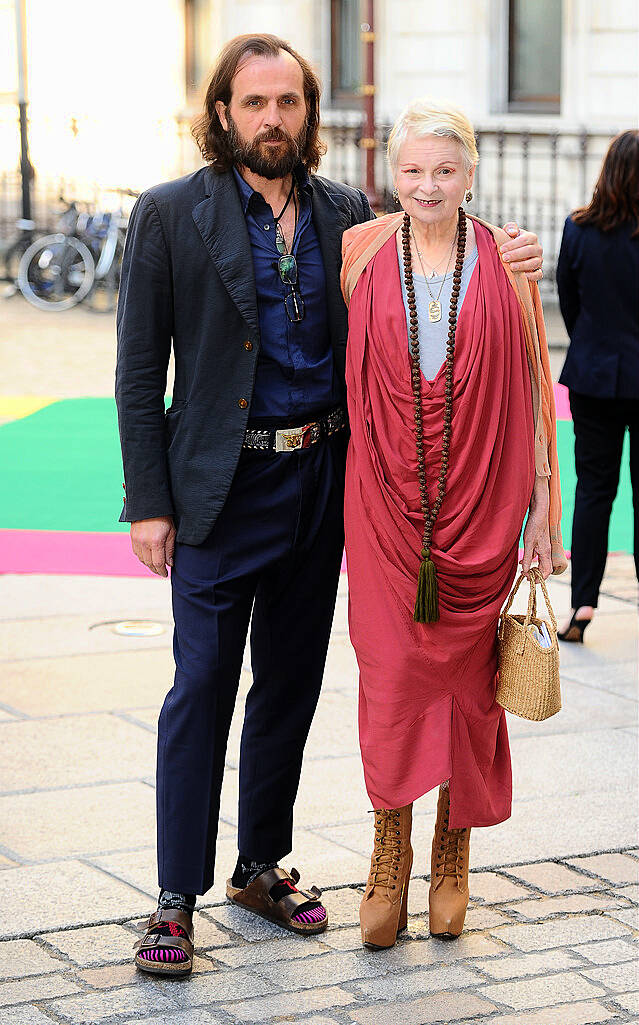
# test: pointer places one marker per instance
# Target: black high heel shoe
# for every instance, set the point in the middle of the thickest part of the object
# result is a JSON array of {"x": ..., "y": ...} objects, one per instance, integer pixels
[{"x": 575, "y": 630}]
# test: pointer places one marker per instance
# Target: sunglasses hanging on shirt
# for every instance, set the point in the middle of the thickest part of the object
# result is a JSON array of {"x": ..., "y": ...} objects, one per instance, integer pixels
[{"x": 287, "y": 264}]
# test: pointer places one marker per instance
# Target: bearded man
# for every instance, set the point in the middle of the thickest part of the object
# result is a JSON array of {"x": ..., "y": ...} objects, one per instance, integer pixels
[{"x": 238, "y": 488}]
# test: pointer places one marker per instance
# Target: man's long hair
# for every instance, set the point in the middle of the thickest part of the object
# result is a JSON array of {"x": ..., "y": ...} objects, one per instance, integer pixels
[
  {"x": 207, "y": 129},
  {"x": 615, "y": 200}
]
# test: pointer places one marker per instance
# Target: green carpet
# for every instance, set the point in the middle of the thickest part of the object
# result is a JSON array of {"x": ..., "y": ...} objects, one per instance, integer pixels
[{"x": 62, "y": 471}]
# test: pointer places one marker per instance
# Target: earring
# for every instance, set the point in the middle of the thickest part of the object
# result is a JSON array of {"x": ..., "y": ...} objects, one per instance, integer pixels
[
  {"x": 469, "y": 196},
  {"x": 396, "y": 195}
]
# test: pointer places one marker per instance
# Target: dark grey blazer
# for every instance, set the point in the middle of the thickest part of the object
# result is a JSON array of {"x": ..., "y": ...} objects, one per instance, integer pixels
[{"x": 187, "y": 280}]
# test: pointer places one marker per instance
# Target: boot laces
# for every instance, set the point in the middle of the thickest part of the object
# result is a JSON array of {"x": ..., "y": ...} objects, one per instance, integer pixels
[
  {"x": 450, "y": 851},
  {"x": 387, "y": 849}
]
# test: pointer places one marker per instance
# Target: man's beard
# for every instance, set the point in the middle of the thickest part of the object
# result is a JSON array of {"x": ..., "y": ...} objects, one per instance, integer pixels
[{"x": 267, "y": 162}]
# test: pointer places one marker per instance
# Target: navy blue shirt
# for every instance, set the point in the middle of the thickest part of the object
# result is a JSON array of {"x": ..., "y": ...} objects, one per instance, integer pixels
[{"x": 294, "y": 374}]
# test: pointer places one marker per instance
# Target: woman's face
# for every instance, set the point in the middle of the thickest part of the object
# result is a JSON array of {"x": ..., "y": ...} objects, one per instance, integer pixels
[{"x": 431, "y": 178}]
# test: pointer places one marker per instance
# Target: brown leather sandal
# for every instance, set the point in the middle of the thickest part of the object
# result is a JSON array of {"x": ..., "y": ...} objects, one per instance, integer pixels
[
  {"x": 153, "y": 941},
  {"x": 257, "y": 899}
]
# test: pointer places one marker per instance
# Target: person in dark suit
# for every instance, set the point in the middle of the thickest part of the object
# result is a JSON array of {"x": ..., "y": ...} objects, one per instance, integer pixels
[
  {"x": 598, "y": 283},
  {"x": 239, "y": 487}
]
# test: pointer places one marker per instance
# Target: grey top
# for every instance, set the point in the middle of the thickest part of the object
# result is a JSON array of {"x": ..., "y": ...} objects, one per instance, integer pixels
[{"x": 433, "y": 336}]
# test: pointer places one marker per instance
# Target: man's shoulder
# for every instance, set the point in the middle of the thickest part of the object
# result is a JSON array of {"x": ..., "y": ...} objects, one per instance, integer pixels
[
  {"x": 338, "y": 190},
  {"x": 187, "y": 188}
]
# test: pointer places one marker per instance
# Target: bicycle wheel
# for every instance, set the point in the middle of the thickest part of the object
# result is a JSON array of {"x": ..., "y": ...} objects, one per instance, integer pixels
[{"x": 56, "y": 272}]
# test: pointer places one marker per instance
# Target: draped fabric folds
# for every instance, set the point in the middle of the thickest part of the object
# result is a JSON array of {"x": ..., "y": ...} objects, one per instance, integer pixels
[{"x": 427, "y": 691}]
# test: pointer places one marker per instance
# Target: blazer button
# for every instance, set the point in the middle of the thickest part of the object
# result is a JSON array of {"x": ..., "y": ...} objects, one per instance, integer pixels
[
  {"x": 242, "y": 403},
  {"x": 248, "y": 346}
]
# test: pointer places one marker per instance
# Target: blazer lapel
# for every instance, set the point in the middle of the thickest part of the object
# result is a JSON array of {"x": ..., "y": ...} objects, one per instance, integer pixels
[
  {"x": 220, "y": 221},
  {"x": 331, "y": 217}
]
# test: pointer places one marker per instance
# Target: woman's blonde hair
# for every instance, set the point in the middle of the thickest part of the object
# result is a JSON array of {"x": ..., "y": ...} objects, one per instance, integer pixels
[{"x": 426, "y": 117}]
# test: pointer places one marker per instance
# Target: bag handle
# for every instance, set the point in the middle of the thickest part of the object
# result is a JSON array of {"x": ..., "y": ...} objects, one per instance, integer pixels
[{"x": 531, "y": 613}]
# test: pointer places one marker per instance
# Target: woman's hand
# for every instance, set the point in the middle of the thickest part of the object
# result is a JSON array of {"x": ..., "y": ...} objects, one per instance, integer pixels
[{"x": 537, "y": 532}]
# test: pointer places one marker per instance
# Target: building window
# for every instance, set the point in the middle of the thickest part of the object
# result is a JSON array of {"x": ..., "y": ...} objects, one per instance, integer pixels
[
  {"x": 346, "y": 52},
  {"x": 534, "y": 52},
  {"x": 197, "y": 57}
]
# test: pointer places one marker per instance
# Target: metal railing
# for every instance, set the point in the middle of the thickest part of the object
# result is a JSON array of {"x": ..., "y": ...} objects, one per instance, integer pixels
[{"x": 535, "y": 177}]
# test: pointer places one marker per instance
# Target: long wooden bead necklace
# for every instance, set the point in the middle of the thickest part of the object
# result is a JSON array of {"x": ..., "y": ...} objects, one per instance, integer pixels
[{"x": 427, "y": 601}]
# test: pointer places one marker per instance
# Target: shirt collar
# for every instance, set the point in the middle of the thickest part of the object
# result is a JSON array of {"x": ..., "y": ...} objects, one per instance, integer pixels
[{"x": 247, "y": 192}]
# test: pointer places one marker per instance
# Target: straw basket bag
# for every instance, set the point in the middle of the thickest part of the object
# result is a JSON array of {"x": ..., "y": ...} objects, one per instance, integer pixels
[{"x": 528, "y": 672}]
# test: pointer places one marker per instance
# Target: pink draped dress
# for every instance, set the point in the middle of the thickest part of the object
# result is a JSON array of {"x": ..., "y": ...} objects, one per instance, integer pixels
[{"x": 427, "y": 710}]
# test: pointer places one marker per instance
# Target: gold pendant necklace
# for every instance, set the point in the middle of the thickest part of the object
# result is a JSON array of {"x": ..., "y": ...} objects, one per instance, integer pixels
[{"x": 434, "y": 306}]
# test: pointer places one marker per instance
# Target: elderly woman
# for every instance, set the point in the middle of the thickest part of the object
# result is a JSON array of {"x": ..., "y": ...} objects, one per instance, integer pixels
[{"x": 450, "y": 448}]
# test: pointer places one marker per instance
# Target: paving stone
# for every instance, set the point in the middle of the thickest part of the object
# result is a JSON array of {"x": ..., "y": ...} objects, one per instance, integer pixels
[
  {"x": 343, "y": 906},
  {"x": 491, "y": 888},
  {"x": 561, "y": 932},
  {"x": 571, "y": 903},
  {"x": 618, "y": 868},
  {"x": 100, "y": 945},
  {"x": 629, "y": 892},
  {"x": 629, "y": 1002},
  {"x": 320, "y": 971},
  {"x": 322, "y": 1020},
  {"x": 410, "y": 952},
  {"x": 543, "y": 991},
  {"x": 629, "y": 916},
  {"x": 269, "y": 951},
  {"x": 192, "y": 1017},
  {"x": 411, "y": 984},
  {"x": 90, "y": 1008},
  {"x": 24, "y": 1015},
  {"x": 34, "y": 753},
  {"x": 444, "y": 1007},
  {"x": 111, "y": 976},
  {"x": 64, "y": 823},
  {"x": 484, "y": 918},
  {"x": 514, "y": 967},
  {"x": 58, "y": 686},
  {"x": 585, "y": 1012},
  {"x": 62, "y": 898},
  {"x": 620, "y": 978},
  {"x": 223, "y": 985},
  {"x": 249, "y": 926},
  {"x": 608, "y": 952},
  {"x": 279, "y": 1005},
  {"x": 24, "y": 957},
  {"x": 555, "y": 878},
  {"x": 44, "y": 988}
]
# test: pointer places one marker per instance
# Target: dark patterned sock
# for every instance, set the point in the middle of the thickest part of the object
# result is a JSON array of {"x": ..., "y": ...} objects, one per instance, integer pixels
[{"x": 169, "y": 899}]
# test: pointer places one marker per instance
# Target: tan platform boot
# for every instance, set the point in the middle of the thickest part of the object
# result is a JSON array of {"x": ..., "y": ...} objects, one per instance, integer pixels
[
  {"x": 448, "y": 893},
  {"x": 383, "y": 912}
]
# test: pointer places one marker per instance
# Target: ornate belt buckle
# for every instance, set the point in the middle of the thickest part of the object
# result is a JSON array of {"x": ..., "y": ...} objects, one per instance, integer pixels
[
  {"x": 295, "y": 438},
  {"x": 289, "y": 440}
]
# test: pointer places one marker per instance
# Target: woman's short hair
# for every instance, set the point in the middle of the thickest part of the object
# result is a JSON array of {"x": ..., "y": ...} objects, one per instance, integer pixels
[
  {"x": 207, "y": 129},
  {"x": 615, "y": 200},
  {"x": 426, "y": 117}
]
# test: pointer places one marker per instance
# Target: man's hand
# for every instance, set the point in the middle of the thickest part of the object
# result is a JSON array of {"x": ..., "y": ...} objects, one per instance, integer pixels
[
  {"x": 537, "y": 532},
  {"x": 523, "y": 252},
  {"x": 153, "y": 541}
]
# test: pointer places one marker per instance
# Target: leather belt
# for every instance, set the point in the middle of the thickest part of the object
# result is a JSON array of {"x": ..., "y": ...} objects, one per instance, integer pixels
[{"x": 292, "y": 439}]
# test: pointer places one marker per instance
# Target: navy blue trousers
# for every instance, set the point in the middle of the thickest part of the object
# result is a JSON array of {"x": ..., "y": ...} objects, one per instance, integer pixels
[{"x": 272, "y": 560}]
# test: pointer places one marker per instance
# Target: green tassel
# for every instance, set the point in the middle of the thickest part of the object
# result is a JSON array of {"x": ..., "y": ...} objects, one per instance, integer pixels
[{"x": 427, "y": 601}]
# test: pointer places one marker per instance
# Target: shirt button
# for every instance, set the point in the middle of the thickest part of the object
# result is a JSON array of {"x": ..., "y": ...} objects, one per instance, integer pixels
[
  {"x": 267, "y": 227},
  {"x": 242, "y": 403},
  {"x": 248, "y": 346}
]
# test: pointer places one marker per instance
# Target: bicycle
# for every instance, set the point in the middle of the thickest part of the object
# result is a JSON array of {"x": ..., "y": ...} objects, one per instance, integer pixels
[
  {"x": 57, "y": 271},
  {"x": 80, "y": 261}
]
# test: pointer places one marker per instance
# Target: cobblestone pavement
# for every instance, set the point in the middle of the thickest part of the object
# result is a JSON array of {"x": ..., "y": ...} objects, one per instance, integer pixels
[
  {"x": 552, "y": 930},
  {"x": 551, "y": 933}
]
